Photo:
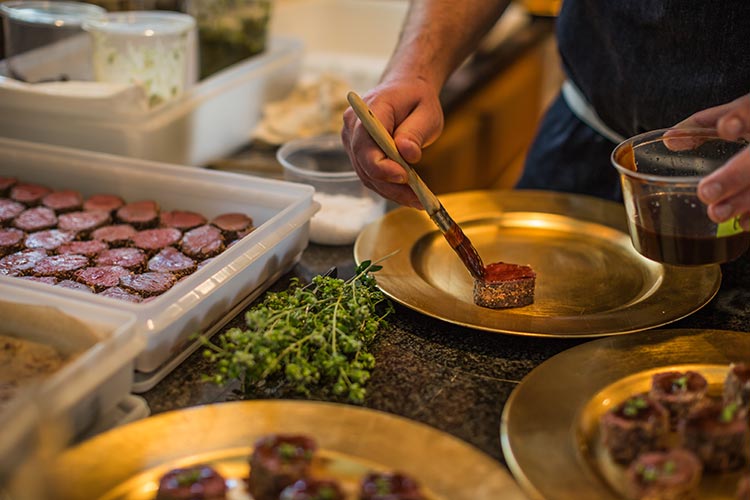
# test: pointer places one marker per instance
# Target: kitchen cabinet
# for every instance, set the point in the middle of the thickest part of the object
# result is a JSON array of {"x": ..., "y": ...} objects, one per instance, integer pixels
[{"x": 489, "y": 127}]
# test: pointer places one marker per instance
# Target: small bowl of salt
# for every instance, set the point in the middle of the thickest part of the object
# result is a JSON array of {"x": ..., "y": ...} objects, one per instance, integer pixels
[{"x": 346, "y": 205}]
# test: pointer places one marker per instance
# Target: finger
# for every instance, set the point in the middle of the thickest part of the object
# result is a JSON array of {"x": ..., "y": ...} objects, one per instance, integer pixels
[
  {"x": 418, "y": 130},
  {"x": 727, "y": 190},
  {"x": 736, "y": 122},
  {"x": 708, "y": 118}
]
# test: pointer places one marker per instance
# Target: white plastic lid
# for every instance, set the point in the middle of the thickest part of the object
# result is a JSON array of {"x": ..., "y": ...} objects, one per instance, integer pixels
[
  {"x": 142, "y": 23},
  {"x": 59, "y": 14}
]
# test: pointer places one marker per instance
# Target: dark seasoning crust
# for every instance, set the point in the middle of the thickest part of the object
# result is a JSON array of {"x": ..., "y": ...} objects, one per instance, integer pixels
[{"x": 128, "y": 250}]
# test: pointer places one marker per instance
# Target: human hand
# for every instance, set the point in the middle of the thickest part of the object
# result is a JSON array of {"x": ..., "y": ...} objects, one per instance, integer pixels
[
  {"x": 410, "y": 110},
  {"x": 727, "y": 190}
]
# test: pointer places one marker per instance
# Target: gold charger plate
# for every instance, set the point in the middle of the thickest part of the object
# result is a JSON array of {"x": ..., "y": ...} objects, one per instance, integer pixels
[
  {"x": 549, "y": 428},
  {"x": 127, "y": 462},
  {"x": 590, "y": 280}
]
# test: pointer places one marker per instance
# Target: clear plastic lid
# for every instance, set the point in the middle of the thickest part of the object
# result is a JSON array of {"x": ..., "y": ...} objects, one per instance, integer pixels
[
  {"x": 59, "y": 14},
  {"x": 141, "y": 23}
]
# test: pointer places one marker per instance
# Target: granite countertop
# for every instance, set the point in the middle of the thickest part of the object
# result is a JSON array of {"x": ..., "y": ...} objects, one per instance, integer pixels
[{"x": 450, "y": 377}]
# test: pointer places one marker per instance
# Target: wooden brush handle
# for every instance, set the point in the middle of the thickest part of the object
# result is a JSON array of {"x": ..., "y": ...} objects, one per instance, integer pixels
[{"x": 381, "y": 136}]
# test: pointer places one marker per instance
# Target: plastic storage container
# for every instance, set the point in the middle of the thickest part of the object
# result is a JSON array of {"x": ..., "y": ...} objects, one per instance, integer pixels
[
  {"x": 206, "y": 299},
  {"x": 212, "y": 119}
]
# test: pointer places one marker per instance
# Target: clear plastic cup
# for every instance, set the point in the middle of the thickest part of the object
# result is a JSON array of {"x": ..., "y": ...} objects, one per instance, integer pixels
[
  {"x": 659, "y": 172},
  {"x": 42, "y": 37},
  {"x": 148, "y": 48},
  {"x": 346, "y": 205}
]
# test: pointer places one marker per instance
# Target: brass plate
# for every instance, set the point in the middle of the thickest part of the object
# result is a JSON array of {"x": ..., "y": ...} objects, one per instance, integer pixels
[
  {"x": 127, "y": 462},
  {"x": 549, "y": 428},
  {"x": 590, "y": 280}
]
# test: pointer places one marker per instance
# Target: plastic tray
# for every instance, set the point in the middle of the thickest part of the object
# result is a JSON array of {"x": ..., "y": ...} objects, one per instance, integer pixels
[
  {"x": 281, "y": 212},
  {"x": 212, "y": 119}
]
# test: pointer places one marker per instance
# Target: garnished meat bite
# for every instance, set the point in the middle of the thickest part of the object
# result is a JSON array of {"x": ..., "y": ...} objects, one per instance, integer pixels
[
  {"x": 28, "y": 193},
  {"x": 133, "y": 259},
  {"x": 199, "y": 482},
  {"x": 50, "y": 239},
  {"x": 11, "y": 240},
  {"x": 83, "y": 221},
  {"x": 9, "y": 210},
  {"x": 147, "y": 284},
  {"x": 678, "y": 392},
  {"x": 313, "y": 489},
  {"x": 717, "y": 433},
  {"x": 389, "y": 486},
  {"x": 279, "y": 461},
  {"x": 505, "y": 285},
  {"x": 101, "y": 277},
  {"x": 737, "y": 385},
  {"x": 20, "y": 263},
  {"x": 35, "y": 219},
  {"x": 202, "y": 242},
  {"x": 140, "y": 214},
  {"x": 63, "y": 201},
  {"x": 153, "y": 240},
  {"x": 171, "y": 260},
  {"x": 181, "y": 219},
  {"x": 638, "y": 425},
  {"x": 232, "y": 225},
  {"x": 104, "y": 202},
  {"x": 667, "y": 475},
  {"x": 117, "y": 235}
]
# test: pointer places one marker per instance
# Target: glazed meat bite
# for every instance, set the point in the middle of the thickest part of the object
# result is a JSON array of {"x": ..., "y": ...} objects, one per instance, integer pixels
[
  {"x": 737, "y": 385},
  {"x": 678, "y": 392},
  {"x": 278, "y": 461},
  {"x": 389, "y": 486},
  {"x": 199, "y": 482},
  {"x": 664, "y": 475},
  {"x": 717, "y": 433},
  {"x": 637, "y": 425},
  {"x": 313, "y": 489},
  {"x": 505, "y": 285}
]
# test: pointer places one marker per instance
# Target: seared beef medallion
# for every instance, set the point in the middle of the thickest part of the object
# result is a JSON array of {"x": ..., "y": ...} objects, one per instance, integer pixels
[
  {"x": 233, "y": 225},
  {"x": 717, "y": 433},
  {"x": 29, "y": 194},
  {"x": 202, "y": 242},
  {"x": 11, "y": 240},
  {"x": 83, "y": 222},
  {"x": 389, "y": 486},
  {"x": 147, "y": 284},
  {"x": 140, "y": 214},
  {"x": 21, "y": 263},
  {"x": 278, "y": 461},
  {"x": 104, "y": 202},
  {"x": 199, "y": 482},
  {"x": 118, "y": 235},
  {"x": 9, "y": 210},
  {"x": 51, "y": 239},
  {"x": 153, "y": 240},
  {"x": 60, "y": 266},
  {"x": 313, "y": 489},
  {"x": 664, "y": 475},
  {"x": 171, "y": 260},
  {"x": 181, "y": 219},
  {"x": 35, "y": 219},
  {"x": 635, "y": 426},
  {"x": 120, "y": 293},
  {"x": 678, "y": 392},
  {"x": 63, "y": 201},
  {"x": 133, "y": 259},
  {"x": 90, "y": 248},
  {"x": 100, "y": 278}
]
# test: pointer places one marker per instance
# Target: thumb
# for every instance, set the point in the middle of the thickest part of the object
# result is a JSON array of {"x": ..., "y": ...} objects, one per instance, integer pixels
[{"x": 417, "y": 131}]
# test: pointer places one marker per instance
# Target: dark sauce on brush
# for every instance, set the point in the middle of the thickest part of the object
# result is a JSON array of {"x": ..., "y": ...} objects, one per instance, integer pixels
[{"x": 465, "y": 250}]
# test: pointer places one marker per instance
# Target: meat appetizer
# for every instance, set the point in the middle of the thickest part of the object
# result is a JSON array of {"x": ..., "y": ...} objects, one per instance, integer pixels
[
  {"x": 35, "y": 219},
  {"x": 103, "y": 202},
  {"x": 11, "y": 240},
  {"x": 181, "y": 219},
  {"x": 199, "y": 482},
  {"x": 664, "y": 475},
  {"x": 21, "y": 263},
  {"x": 279, "y": 461},
  {"x": 63, "y": 201},
  {"x": 60, "y": 266},
  {"x": 233, "y": 225},
  {"x": 100, "y": 278},
  {"x": 83, "y": 221},
  {"x": 717, "y": 433},
  {"x": 50, "y": 239},
  {"x": 202, "y": 242},
  {"x": 678, "y": 392},
  {"x": 171, "y": 260},
  {"x": 147, "y": 284},
  {"x": 140, "y": 214},
  {"x": 638, "y": 425},
  {"x": 313, "y": 489},
  {"x": 9, "y": 210},
  {"x": 505, "y": 285},
  {"x": 90, "y": 248},
  {"x": 389, "y": 486},
  {"x": 737, "y": 385},
  {"x": 118, "y": 235},
  {"x": 133, "y": 259},
  {"x": 28, "y": 193}
]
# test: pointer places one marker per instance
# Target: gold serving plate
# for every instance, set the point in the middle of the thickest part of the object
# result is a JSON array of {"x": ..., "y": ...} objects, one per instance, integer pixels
[
  {"x": 127, "y": 462},
  {"x": 590, "y": 280},
  {"x": 550, "y": 423}
]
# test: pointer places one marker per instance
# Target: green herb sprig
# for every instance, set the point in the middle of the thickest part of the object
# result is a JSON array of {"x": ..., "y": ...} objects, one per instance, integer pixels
[{"x": 315, "y": 335}]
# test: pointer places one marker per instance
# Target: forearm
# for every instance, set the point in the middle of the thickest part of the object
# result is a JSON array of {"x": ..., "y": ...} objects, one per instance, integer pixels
[{"x": 438, "y": 35}]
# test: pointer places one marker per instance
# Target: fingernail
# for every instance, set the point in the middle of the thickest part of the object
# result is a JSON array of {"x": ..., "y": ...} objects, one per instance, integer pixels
[
  {"x": 734, "y": 126},
  {"x": 711, "y": 192},
  {"x": 397, "y": 179},
  {"x": 722, "y": 211}
]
